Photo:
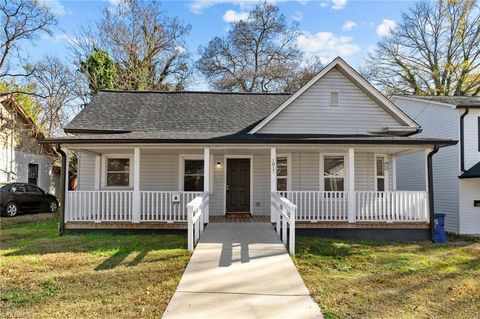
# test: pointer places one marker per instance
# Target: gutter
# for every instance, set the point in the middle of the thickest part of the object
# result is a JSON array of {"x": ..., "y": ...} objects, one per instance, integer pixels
[
  {"x": 63, "y": 182},
  {"x": 249, "y": 141},
  {"x": 462, "y": 139},
  {"x": 431, "y": 206}
]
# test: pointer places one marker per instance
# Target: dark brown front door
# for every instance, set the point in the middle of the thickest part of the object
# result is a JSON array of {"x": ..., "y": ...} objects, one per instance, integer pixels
[{"x": 238, "y": 185}]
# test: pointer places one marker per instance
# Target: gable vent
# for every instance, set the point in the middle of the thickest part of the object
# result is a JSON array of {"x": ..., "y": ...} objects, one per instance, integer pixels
[{"x": 334, "y": 98}]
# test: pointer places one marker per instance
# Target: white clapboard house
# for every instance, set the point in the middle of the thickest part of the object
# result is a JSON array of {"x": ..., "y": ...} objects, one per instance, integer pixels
[
  {"x": 322, "y": 160},
  {"x": 456, "y": 169}
]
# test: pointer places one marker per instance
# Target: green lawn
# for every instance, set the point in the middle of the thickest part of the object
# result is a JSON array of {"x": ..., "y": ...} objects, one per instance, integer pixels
[
  {"x": 352, "y": 279},
  {"x": 129, "y": 276},
  {"x": 86, "y": 276}
]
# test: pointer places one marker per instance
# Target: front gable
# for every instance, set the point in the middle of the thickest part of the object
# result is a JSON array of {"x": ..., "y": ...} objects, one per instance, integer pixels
[{"x": 360, "y": 110}]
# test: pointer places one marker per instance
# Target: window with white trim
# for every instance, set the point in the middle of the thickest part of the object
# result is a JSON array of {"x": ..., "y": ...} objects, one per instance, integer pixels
[
  {"x": 282, "y": 173},
  {"x": 380, "y": 176},
  {"x": 334, "y": 98},
  {"x": 118, "y": 172},
  {"x": 334, "y": 173},
  {"x": 193, "y": 175}
]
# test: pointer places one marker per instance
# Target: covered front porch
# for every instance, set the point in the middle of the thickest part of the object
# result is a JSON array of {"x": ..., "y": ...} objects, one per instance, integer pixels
[{"x": 152, "y": 185}]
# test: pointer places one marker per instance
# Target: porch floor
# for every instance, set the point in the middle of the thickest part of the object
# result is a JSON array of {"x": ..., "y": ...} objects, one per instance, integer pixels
[
  {"x": 232, "y": 219},
  {"x": 241, "y": 271}
]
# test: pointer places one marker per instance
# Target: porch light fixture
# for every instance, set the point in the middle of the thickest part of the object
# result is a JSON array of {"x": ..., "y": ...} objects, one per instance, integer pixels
[{"x": 219, "y": 164}]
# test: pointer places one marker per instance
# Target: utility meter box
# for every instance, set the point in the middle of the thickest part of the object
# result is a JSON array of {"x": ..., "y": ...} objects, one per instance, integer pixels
[{"x": 176, "y": 198}]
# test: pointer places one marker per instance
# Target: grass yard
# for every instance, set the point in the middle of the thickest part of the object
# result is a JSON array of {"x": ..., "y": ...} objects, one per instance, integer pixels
[
  {"x": 88, "y": 275},
  {"x": 351, "y": 279}
]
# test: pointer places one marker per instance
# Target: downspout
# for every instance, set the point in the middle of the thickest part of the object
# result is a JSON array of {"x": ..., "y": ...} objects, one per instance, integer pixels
[
  {"x": 462, "y": 142},
  {"x": 61, "y": 225},
  {"x": 430, "y": 190}
]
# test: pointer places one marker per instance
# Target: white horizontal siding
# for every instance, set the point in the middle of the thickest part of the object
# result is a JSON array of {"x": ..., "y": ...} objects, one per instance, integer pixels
[
  {"x": 159, "y": 171},
  {"x": 437, "y": 121},
  {"x": 470, "y": 216},
  {"x": 472, "y": 152},
  {"x": 86, "y": 171},
  {"x": 312, "y": 113}
]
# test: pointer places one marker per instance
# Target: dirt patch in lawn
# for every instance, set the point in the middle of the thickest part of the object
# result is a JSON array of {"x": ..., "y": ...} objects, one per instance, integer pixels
[
  {"x": 86, "y": 276},
  {"x": 352, "y": 279}
]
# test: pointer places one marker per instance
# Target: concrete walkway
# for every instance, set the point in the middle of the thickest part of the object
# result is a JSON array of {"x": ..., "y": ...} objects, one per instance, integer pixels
[{"x": 241, "y": 271}]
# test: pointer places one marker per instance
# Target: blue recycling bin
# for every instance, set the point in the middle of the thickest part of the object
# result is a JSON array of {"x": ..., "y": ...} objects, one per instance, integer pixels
[{"x": 440, "y": 236}]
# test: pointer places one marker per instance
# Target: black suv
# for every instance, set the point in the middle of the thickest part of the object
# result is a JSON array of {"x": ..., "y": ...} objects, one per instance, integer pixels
[{"x": 22, "y": 197}]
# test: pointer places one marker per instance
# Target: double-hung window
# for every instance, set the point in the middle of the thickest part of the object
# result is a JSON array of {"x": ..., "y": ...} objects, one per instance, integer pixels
[
  {"x": 33, "y": 174},
  {"x": 193, "y": 175},
  {"x": 282, "y": 173},
  {"x": 118, "y": 172},
  {"x": 334, "y": 173},
  {"x": 380, "y": 174}
]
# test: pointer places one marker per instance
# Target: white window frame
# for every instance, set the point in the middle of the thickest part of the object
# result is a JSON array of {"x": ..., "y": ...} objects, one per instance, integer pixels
[
  {"x": 289, "y": 170},
  {"x": 345, "y": 170},
  {"x": 181, "y": 170},
  {"x": 105, "y": 159},
  {"x": 338, "y": 98},
  {"x": 385, "y": 172}
]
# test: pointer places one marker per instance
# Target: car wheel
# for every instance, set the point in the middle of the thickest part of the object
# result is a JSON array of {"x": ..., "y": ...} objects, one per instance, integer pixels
[
  {"x": 11, "y": 209},
  {"x": 53, "y": 207}
]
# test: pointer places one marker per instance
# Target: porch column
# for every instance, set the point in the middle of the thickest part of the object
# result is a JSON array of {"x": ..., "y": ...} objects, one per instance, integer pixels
[
  {"x": 394, "y": 172},
  {"x": 66, "y": 202},
  {"x": 136, "y": 186},
  {"x": 273, "y": 179},
  {"x": 351, "y": 185},
  {"x": 206, "y": 180}
]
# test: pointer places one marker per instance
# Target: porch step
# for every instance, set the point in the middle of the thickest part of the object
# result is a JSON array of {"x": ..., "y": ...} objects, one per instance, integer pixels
[{"x": 235, "y": 219}]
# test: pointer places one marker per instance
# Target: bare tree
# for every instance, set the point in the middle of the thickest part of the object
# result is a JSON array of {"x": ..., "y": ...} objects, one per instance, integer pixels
[
  {"x": 258, "y": 54},
  {"x": 20, "y": 20},
  {"x": 434, "y": 50},
  {"x": 305, "y": 73},
  {"x": 145, "y": 45},
  {"x": 56, "y": 87}
]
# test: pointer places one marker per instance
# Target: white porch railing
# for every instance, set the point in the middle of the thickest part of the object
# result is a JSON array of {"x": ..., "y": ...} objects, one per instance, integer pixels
[
  {"x": 396, "y": 206},
  {"x": 285, "y": 212},
  {"x": 319, "y": 206},
  {"x": 165, "y": 206},
  {"x": 115, "y": 206},
  {"x": 196, "y": 217},
  {"x": 371, "y": 206}
]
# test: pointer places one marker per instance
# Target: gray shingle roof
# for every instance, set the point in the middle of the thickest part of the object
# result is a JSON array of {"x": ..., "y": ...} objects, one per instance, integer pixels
[
  {"x": 175, "y": 113},
  {"x": 454, "y": 100}
]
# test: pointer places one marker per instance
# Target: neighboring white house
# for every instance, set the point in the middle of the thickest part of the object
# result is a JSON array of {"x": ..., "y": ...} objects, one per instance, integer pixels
[
  {"x": 330, "y": 149},
  {"x": 22, "y": 158},
  {"x": 456, "y": 168}
]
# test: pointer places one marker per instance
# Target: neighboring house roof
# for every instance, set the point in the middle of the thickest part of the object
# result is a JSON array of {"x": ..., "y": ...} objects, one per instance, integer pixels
[
  {"x": 473, "y": 172},
  {"x": 17, "y": 107},
  {"x": 174, "y": 114},
  {"x": 457, "y": 101},
  {"x": 356, "y": 78}
]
